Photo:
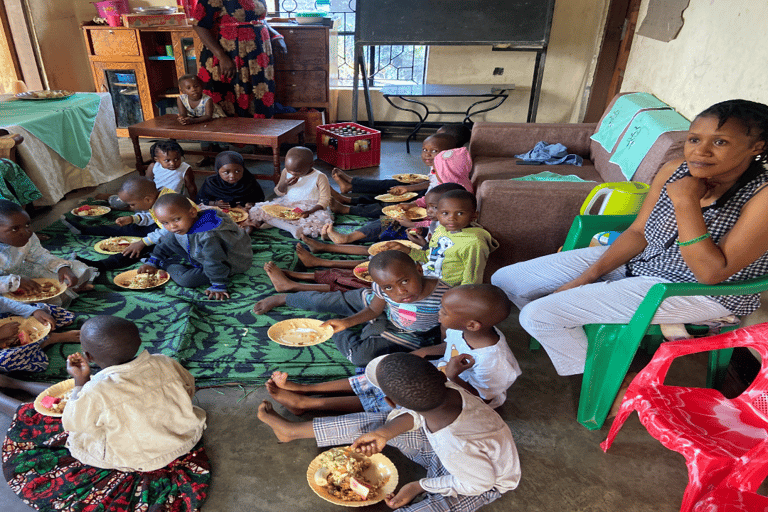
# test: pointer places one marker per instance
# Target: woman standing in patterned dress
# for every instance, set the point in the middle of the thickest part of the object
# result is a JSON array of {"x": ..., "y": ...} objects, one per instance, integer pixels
[{"x": 236, "y": 64}]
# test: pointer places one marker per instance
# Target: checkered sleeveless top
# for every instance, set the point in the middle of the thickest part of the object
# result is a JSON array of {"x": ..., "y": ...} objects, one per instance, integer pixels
[{"x": 662, "y": 258}]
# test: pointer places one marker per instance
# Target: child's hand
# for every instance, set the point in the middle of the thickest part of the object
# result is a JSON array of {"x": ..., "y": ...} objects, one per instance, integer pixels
[
  {"x": 184, "y": 120},
  {"x": 67, "y": 276},
  {"x": 416, "y": 238},
  {"x": 221, "y": 204},
  {"x": 338, "y": 324},
  {"x": 405, "y": 222},
  {"x": 7, "y": 331},
  {"x": 134, "y": 249},
  {"x": 369, "y": 443},
  {"x": 78, "y": 368},
  {"x": 213, "y": 295},
  {"x": 395, "y": 246},
  {"x": 248, "y": 206},
  {"x": 44, "y": 317},
  {"x": 398, "y": 191},
  {"x": 458, "y": 364},
  {"x": 406, "y": 495},
  {"x": 292, "y": 180},
  {"x": 147, "y": 269},
  {"x": 27, "y": 285},
  {"x": 124, "y": 220}
]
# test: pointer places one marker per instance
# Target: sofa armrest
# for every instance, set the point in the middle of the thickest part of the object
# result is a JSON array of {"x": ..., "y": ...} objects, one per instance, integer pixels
[
  {"x": 527, "y": 218},
  {"x": 510, "y": 139}
]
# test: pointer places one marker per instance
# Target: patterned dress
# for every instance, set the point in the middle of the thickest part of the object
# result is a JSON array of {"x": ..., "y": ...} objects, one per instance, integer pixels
[{"x": 242, "y": 33}]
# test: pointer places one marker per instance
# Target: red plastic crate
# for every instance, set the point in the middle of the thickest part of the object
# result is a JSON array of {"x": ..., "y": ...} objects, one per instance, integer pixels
[{"x": 348, "y": 153}]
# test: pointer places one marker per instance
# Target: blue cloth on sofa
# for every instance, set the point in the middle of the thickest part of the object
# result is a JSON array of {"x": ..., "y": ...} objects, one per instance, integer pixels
[{"x": 550, "y": 154}]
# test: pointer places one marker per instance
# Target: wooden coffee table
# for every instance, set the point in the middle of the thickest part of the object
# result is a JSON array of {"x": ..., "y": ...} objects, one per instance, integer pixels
[{"x": 235, "y": 130}]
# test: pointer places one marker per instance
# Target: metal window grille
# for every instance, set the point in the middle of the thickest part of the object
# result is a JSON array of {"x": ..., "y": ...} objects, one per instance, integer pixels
[{"x": 386, "y": 64}]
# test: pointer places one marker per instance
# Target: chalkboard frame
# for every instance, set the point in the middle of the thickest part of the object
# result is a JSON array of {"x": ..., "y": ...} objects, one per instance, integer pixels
[{"x": 415, "y": 22}]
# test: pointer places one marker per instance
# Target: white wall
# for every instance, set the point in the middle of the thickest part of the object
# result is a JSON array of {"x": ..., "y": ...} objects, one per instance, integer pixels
[{"x": 719, "y": 54}]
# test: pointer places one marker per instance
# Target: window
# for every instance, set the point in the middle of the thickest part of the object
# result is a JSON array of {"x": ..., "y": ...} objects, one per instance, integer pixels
[{"x": 387, "y": 64}]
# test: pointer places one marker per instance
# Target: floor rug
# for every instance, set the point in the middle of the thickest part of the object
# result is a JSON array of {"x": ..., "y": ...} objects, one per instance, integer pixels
[{"x": 220, "y": 342}]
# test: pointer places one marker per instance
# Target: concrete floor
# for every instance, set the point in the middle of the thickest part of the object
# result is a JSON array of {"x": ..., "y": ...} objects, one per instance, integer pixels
[{"x": 563, "y": 468}]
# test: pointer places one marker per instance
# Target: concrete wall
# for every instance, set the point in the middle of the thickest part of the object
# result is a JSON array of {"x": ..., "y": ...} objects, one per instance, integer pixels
[{"x": 719, "y": 54}]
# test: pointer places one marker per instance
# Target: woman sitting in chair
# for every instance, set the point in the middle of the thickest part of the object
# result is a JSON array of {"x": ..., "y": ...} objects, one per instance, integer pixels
[{"x": 703, "y": 221}]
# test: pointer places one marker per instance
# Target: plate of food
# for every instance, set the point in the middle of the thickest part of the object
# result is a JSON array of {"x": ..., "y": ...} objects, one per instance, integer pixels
[
  {"x": 90, "y": 210},
  {"x": 44, "y": 95},
  {"x": 114, "y": 245},
  {"x": 299, "y": 332},
  {"x": 236, "y": 214},
  {"x": 50, "y": 288},
  {"x": 282, "y": 212},
  {"x": 52, "y": 401},
  {"x": 132, "y": 280},
  {"x": 389, "y": 198},
  {"x": 410, "y": 178},
  {"x": 30, "y": 330},
  {"x": 381, "y": 246},
  {"x": 398, "y": 212},
  {"x": 361, "y": 272},
  {"x": 351, "y": 479}
]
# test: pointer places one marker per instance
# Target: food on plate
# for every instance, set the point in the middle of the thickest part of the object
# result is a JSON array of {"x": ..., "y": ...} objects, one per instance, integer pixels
[
  {"x": 236, "y": 214},
  {"x": 390, "y": 198},
  {"x": 281, "y": 212},
  {"x": 142, "y": 281},
  {"x": 47, "y": 290},
  {"x": 88, "y": 210},
  {"x": 45, "y": 95},
  {"x": 116, "y": 244},
  {"x": 28, "y": 330},
  {"x": 361, "y": 272},
  {"x": 344, "y": 475},
  {"x": 399, "y": 212},
  {"x": 410, "y": 178},
  {"x": 56, "y": 404},
  {"x": 383, "y": 246},
  {"x": 299, "y": 332}
]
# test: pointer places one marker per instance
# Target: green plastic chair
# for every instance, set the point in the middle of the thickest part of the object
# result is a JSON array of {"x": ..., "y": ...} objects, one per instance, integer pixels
[{"x": 613, "y": 346}]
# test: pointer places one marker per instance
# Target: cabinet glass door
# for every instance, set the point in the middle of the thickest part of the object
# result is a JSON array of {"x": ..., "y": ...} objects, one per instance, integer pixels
[
  {"x": 190, "y": 59},
  {"x": 123, "y": 87}
]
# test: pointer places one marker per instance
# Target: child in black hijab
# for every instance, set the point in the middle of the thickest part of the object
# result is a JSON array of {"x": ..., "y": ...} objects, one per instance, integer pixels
[{"x": 232, "y": 185}]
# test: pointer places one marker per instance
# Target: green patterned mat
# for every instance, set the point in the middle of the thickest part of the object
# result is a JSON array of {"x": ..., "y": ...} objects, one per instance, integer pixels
[{"x": 220, "y": 342}]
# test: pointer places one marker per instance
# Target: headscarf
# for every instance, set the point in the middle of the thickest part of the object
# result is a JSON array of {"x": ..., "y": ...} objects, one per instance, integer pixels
[
  {"x": 454, "y": 166},
  {"x": 247, "y": 190}
]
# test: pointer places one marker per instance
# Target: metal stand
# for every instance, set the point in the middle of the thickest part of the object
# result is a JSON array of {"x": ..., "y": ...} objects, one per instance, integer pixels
[{"x": 360, "y": 67}]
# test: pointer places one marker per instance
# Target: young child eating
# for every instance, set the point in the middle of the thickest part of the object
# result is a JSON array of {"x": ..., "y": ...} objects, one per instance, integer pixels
[
  {"x": 457, "y": 251},
  {"x": 129, "y": 436},
  {"x": 475, "y": 355},
  {"x": 467, "y": 449},
  {"x": 201, "y": 247},
  {"x": 23, "y": 258},
  {"x": 232, "y": 185},
  {"x": 194, "y": 106},
  {"x": 410, "y": 300},
  {"x": 141, "y": 195},
  {"x": 307, "y": 192}
]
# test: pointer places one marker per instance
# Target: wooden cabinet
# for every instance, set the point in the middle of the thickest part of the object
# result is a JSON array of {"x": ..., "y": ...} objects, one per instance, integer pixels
[{"x": 136, "y": 67}]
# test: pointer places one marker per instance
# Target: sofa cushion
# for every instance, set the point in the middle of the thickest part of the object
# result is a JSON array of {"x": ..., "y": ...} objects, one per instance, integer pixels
[{"x": 497, "y": 168}]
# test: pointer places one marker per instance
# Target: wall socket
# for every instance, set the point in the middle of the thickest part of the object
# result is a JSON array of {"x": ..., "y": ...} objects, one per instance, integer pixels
[{"x": 498, "y": 71}]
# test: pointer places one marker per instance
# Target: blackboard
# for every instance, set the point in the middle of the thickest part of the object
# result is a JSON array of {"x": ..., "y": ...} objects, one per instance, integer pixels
[{"x": 520, "y": 23}]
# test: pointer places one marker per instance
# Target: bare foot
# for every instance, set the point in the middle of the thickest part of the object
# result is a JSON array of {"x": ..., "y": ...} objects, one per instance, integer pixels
[
  {"x": 65, "y": 337},
  {"x": 342, "y": 179},
  {"x": 85, "y": 287},
  {"x": 288, "y": 399},
  {"x": 279, "y": 280},
  {"x": 337, "y": 207},
  {"x": 313, "y": 244},
  {"x": 337, "y": 238},
  {"x": 324, "y": 231},
  {"x": 269, "y": 303},
  {"x": 340, "y": 197},
  {"x": 281, "y": 427},
  {"x": 307, "y": 258},
  {"x": 280, "y": 379}
]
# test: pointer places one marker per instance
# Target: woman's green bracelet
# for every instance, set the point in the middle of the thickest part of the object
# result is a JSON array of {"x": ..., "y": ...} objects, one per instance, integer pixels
[{"x": 695, "y": 240}]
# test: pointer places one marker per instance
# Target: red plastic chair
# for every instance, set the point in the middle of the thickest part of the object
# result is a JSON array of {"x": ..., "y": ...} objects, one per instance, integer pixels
[{"x": 717, "y": 436}]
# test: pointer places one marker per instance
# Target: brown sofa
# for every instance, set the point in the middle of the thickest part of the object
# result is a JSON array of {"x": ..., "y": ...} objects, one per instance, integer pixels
[{"x": 531, "y": 219}]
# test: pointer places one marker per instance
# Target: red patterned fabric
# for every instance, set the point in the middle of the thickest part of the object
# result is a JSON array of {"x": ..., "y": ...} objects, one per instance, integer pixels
[{"x": 718, "y": 437}]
